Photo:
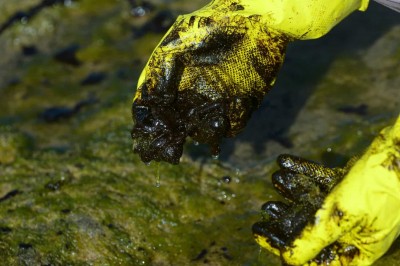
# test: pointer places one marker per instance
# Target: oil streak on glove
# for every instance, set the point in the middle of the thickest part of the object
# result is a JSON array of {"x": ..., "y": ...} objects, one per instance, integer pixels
[{"x": 352, "y": 221}]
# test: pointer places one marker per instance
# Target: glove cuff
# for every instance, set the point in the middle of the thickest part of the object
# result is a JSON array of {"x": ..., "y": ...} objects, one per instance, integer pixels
[{"x": 307, "y": 19}]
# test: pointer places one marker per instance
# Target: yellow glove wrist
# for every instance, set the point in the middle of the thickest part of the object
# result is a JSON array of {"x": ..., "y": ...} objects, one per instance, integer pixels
[{"x": 300, "y": 19}]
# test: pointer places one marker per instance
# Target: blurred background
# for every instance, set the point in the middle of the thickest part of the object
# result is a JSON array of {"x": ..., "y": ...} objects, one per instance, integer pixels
[{"x": 72, "y": 192}]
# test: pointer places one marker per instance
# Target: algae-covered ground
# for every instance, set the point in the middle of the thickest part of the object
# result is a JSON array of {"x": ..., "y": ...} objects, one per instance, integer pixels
[{"x": 72, "y": 192}]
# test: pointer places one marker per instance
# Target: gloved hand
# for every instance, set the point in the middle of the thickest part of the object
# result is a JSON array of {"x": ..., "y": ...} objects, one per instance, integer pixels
[
  {"x": 332, "y": 221},
  {"x": 205, "y": 78},
  {"x": 214, "y": 66}
]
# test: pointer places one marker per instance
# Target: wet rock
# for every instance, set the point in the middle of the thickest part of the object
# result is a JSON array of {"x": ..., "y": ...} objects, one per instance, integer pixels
[
  {"x": 357, "y": 110},
  {"x": 93, "y": 78},
  {"x": 213, "y": 253},
  {"x": 67, "y": 55},
  {"x": 5, "y": 230},
  {"x": 201, "y": 255},
  {"x": 56, "y": 113},
  {"x": 10, "y": 195},
  {"x": 14, "y": 81},
  {"x": 65, "y": 211},
  {"x": 29, "y": 50}
]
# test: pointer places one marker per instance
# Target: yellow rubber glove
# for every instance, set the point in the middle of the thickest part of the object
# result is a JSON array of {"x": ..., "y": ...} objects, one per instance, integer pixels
[
  {"x": 214, "y": 66},
  {"x": 358, "y": 220},
  {"x": 205, "y": 78}
]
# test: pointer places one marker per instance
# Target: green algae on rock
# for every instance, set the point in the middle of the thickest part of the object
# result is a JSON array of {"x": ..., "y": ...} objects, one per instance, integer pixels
[{"x": 13, "y": 144}]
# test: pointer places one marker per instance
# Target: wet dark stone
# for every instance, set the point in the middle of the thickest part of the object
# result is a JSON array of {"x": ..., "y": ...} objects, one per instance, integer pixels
[
  {"x": 111, "y": 226},
  {"x": 67, "y": 55},
  {"x": 53, "y": 114},
  {"x": 93, "y": 78},
  {"x": 201, "y": 255},
  {"x": 56, "y": 113},
  {"x": 360, "y": 110},
  {"x": 225, "y": 253},
  {"x": 24, "y": 245},
  {"x": 14, "y": 81},
  {"x": 29, "y": 50},
  {"x": 5, "y": 230},
  {"x": 10, "y": 194},
  {"x": 66, "y": 211},
  {"x": 57, "y": 149}
]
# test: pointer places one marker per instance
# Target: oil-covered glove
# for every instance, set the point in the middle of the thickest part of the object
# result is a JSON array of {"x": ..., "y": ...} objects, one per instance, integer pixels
[
  {"x": 205, "y": 78},
  {"x": 352, "y": 221},
  {"x": 214, "y": 66}
]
